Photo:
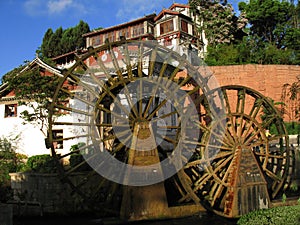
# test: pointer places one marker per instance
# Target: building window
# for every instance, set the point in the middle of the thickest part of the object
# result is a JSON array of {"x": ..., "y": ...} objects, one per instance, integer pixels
[
  {"x": 96, "y": 41},
  {"x": 10, "y": 110},
  {"x": 184, "y": 26},
  {"x": 166, "y": 27},
  {"x": 58, "y": 139},
  {"x": 137, "y": 30},
  {"x": 124, "y": 32}
]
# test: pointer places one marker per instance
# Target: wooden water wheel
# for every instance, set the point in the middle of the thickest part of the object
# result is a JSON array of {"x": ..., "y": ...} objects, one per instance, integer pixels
[
  {"x": 125, "y": 104},
  {"x": 243, "y": 167}
]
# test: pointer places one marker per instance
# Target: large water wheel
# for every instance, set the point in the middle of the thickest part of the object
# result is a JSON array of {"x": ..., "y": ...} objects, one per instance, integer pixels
[
  {"x": 128, "y": 106},
  {"x": 143, "y": 116}
]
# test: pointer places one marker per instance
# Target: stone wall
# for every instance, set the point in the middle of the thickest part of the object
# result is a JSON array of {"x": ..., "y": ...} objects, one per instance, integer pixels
[
  {"x": 266, "y": 79},
  {"x": 37, "y": 194}
]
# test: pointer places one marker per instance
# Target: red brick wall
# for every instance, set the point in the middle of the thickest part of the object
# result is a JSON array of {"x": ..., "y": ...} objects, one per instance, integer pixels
[{"x": 267, "y": 79}]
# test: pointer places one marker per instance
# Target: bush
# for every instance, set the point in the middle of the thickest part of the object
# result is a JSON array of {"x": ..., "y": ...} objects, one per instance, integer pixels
[
  {"x": 10, "y": 162},
  {"x": 41, "y": 164},
  {"x": 291, "y": 128},
  {"x": 284, "y": 215}
]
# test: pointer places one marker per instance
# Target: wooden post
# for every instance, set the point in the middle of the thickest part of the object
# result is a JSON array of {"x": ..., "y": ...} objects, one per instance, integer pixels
[{"x": 144, "y": 202}]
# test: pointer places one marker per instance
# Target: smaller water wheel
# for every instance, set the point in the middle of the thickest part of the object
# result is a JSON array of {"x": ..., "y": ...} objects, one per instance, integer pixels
[{"x": 242, "y": 167}]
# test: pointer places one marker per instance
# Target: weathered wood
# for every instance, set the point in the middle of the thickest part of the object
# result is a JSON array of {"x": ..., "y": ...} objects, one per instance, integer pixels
[
  {"x": 150, "y": 201},
  {"x": 241, "y": 169}
]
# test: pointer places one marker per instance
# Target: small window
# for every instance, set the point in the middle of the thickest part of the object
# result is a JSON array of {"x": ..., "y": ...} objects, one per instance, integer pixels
[
  {"x": 10, "y": 110},
  {"x": 96, "y": 40},
  {"x": 184, "y": 26},
  {"x": 166, "y": 27},
  {"x": 58, "y": 139}
]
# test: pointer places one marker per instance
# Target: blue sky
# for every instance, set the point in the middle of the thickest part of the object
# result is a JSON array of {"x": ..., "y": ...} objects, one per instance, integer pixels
[{"x": 24, "y": 22}]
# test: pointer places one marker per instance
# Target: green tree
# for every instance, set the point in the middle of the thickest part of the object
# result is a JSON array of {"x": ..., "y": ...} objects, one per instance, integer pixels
[
  {"x": 55, "y": 47},
  {"x": 79, "y": 30},
  {"x": 10, "y": 161},
  {"x": 63, "y": 41},
  {"x": 273, "y": 34},
  {"x": 291, "y": 94},
  {"x": 45, "y": 48},
  {"x": 35, "y": 89}
]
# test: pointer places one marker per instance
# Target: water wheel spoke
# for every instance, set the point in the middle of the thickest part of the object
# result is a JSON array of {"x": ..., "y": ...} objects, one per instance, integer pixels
[
  {"x": 81, "y": 149},
  {"x": 251, "y": 137},
  {"x": 158, "y": 107},
  {"x": 270, "y": 155},
  {"x": 152, "y": 61},
  {"x": 76, "y": 167},
  {"x": 256, "y": 108},
  {"x": 127, "y": 60},
  {"x": 122, "y": 144},
  {"x": 190, "y": 192},
  {"x": 221, "y": 164},
  {"x": 69, "y": 109},
  {"x": 168, "y": 139},
  {"x": 206, "y": 161},
  {"x": 189, "y": 93},
  {"x": 70, "y": 138},
  {"x": 174, "y": 73},
  {"x": 103, "y": 68},
  {"x": 273, "y": 176},
  {"x": 150, "y": 100},
  {"x": 220, "y": 187},
  {"x": 140, "y": 60},
  {"x": 241, "y": 97},
  {"x": 227, "y": 103},
  {"x": 91, "y": 90}
]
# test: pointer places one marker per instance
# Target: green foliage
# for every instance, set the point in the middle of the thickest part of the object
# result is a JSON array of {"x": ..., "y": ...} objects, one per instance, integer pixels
[
  {"x": 10, "y": 162},
  {"x": 223, "y": 54},
  {"x": 292, "y": 127},
  {"x": 273, "y": 34},
  {"x": 285, "y": 215},
  {"x": 34, "y": 89},
  {"x": 63, "y": 41},
  {"x": 218, "y": 20},
  {"x": 245, "y": 52},
  {"x": 13, "y": 72},
  {"x": 41, "y": 164}
]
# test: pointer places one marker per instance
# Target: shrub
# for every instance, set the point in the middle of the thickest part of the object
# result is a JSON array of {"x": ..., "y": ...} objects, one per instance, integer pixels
[
  {"x": 284, "y": 215},
  {"x": 10, "y": 162},
  {"x": 41, "y": 164}
]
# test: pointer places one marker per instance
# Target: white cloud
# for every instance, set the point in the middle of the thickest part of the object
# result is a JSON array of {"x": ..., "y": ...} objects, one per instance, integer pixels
[
  {"x": 34, "y": 7},
  {"x": 58, "y": 6},
  {"x": 54, "y": 7}
]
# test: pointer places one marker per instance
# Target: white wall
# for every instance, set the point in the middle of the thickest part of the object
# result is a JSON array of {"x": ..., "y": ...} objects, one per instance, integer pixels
[{"x": 31, "y": 140}]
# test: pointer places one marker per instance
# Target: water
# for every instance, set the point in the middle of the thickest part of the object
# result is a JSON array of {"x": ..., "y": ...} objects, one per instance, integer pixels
[{"x": 195, "y": 220}]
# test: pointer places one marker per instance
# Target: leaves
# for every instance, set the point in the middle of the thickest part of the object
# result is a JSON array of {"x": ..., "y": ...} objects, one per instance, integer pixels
[
  {"x": 217, "y": 20},
  {"x": 273, "y": 34},
  {"x": 63, "y": 41},
  {"x": 35, "y": 88}
]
